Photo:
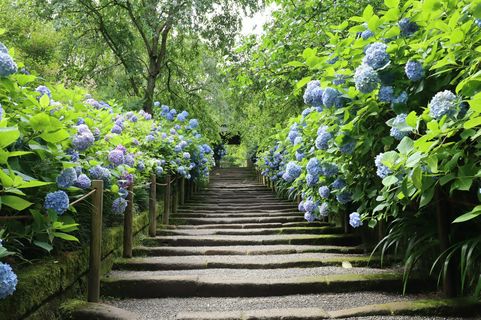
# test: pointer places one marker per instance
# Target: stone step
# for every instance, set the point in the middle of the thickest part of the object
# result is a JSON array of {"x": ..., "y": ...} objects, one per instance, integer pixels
[
  {"x": 220, "y": 210},
  {"x": 304, "y": 260},
  {"x": 237, "y": 201},
  {"x": 183, "y": 308},
  {"x": 260, "y": 231},
  {"x": 239, "y": 208},
  {"x": 243, "y": 250},
  {"x": 296, "y": 239},
  {"x": 215, "y": 214},
  {"x": 248, "y": 283},
  {"x": 280, "y": 219},
  {"x": 300, "y": 224}
]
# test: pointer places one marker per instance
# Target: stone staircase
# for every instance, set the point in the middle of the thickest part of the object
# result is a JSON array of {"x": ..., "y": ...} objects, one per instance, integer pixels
[{"x": 235, "y": 251}]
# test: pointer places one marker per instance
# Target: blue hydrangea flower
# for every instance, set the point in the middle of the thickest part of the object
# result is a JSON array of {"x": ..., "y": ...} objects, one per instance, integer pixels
[
  {"x": 313, "y": 94},
  {"x": 1, "y": 112},
  {"x": 324, "y": 192},
  {"x": 74, "y": 155},
  {"x": 67, "y": 178},
  {"x": 376, "y": 55},
  {"x": 300, "y": 206},
  {"x": 309, "y": 217},
  {"x": 333, "y": 59},
  {"x": 100, "y": 173},
  {"x": 123, "y": 193},
  {"x": 116, "y": 157},
  {"x": 366, "y": 79},
  {"x": 381, "y": 170},
  {"x": 129, "y": 159},
  {"x": 119, "y": 205},
  {"x": 311, "y": 180},
  {"x": 339, "y": 79},
  {"x": 297, "y": 141},
  {"x": 344, "y": 197},
  {"x": 83, "y": 182},
  {"x": 43, "y": 90},
  {"x": 116, "y": 129},
  {"x": 182, "y": 116},
  {"x": 149, "y": 138},
  {"x": 83, "y": 139},
  {"x": 141, "y": 166},
  {"x": 443, "y": 103},
  {"x": 306, "y": 112},
  {"x": 366, "y": 34},
  {"x": 386, "y": 94},
  {"x": 330, "y": 96},
  {"x": 313, "y": 167},
  {"x": 477, "y": 22},
  {"x": 407, "y": 27},
  {"x": 193, "y": 123},
  {"x": 329, "y": 169},
  {"x": 159, "y": 170},
  {"x": 355, "y": 220},
  {"x": 323, "y": 138},
  {"x": 401, "y": 99},
  {"x": 309, "y": 205},
  {"x": 414, "y": 70},
  {"x": 339, "y": 183},
  {"x": 324, "y": 209},
  {"x": 293, "y": 171},
  {"x": 293, "y": 134},
  {"x": 7, "y": 65},
  {"x": 348, "y": 147},
  {"x": 299, "y": 156},
  {"x": 57, "y": 201},
  {"x": 8, "y": 280},
  {"x": 400, "y": 121}
]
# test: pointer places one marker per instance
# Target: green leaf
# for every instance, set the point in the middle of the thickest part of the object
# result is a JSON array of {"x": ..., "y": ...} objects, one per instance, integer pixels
[
  {"x": 15, "y": 202},
  {"x": 417, "y": 178},
  {"x": 457, "y": 36},
  {"x": 469, "y": 215},
  {"x": 406, "y": 145},
  {"x": 65, "y": 236},
  {"x": 389, "y": 181},
  {"x": 44, "y": 101},
  {"x": 44, "y": 245},
  {"x": 471, "y": 123},
  {"x": 368, "y": 13},
  {"x": 40, "y": 121},
  {"x": 295, "y": 64},
  {"x": 391, "y": 3},
  {"x": 414, "y": 159},
  {"x": 33, "y": 184},
  {"x": 8, "y": 136},
  {"x": 426, "y": 197},
  {"x": 301, "y": 83},
  {"x": 412, "y": 119},
  {"x": 55, "y": 137}
]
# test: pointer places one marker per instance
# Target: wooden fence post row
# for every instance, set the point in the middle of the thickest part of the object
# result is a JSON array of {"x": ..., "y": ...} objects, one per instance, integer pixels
[
  {"x": 153, "y": 206},
  {"x": 167, "y": 199},
  {"x": 128, "y": 221}
]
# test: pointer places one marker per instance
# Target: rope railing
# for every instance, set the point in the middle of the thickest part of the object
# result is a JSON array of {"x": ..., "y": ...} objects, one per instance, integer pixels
[{"x": 184, "y": 189}]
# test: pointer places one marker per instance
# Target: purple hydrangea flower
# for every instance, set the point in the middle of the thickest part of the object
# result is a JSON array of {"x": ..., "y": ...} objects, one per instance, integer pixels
[
  {"x": 324, "y": 192},
  {"x": 83, "y": 182},
  {"x": 83, "y": 139},
  {"x": 43, "y": 90},
  {"x": 116, "y": 129},
  {"x": 119, "y": 205},
  {"x": 116, "y": 157}
]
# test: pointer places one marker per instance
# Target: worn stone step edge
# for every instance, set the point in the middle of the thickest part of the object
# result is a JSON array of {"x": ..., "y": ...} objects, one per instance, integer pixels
[
  {"x": 428, "y": 307},
  {"x": 331, "y": 239},
  {"x": 144, "y": 264},
  {"x": 191, "y": 286},
  {"x": 81, "y": 310},
  {"x": 188, "y": 251},
  {"x": 267, "y": 231},
  {"x": 280, "y": 219},
  {"x": 196, "y": 214},
  {"x": 246, "y": 225}
]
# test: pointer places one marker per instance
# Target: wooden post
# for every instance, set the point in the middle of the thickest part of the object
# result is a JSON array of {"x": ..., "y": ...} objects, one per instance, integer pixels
[
  {"x": 167, "y": 199},
  {"x": 182, "y": 191},
  {"x": 381, "y": 229},
  {"x": 175, "y": 196},
  {"x": 187, "y": 190},
  {"x": 153, "y": 206},
  {"x": 128, "y": 220},
  {"x": 93, "y": 293},
  {"x": 192, "y": 188}
]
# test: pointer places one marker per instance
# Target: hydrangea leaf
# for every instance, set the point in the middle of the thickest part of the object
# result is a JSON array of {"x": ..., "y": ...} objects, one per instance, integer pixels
[
  {"x": 406, "y": 145},
  {"x": 471, "y": 123},
  {"x": 389, "y": 181},
  {"x": 8, "y": 136},
  {"x": 391, "y": 3},
  {"x": 55, "y": 137},
  {"x": 15, "y": 202},
  {"x": 469, "y": 215}
]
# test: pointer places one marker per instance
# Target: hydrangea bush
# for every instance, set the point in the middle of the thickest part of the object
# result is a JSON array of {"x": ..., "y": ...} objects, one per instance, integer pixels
[
  {"x": 54, "y": 141},
  {"x": 408, "y": 129}
]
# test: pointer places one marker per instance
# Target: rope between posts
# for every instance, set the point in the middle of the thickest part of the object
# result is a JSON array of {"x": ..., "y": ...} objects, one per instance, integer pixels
[{"x": 83, "y": 197}]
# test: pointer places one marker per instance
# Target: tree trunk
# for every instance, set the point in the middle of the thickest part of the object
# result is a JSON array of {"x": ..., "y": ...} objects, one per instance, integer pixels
[{"x": 149, "y": 92}]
